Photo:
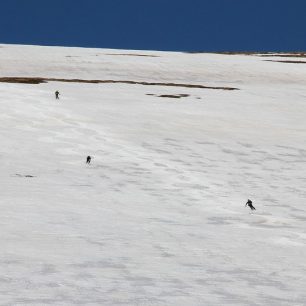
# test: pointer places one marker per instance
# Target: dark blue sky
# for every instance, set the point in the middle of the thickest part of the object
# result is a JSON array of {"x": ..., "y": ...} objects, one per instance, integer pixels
[{"x": 183, "y": 25}]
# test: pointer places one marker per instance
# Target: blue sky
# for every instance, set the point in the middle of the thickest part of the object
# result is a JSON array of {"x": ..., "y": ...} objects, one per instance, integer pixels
[{"x": 182, "y": 25}]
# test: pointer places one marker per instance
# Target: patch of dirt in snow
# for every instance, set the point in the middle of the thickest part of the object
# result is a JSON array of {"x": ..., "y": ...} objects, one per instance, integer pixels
[
  {"x": 287, "y": 62},
  {"x": 131, "y": 54},
  {"x": 34, "y": 80},
  {"x": 22, "y": 175},
  {"x": 176, "y": 96}
]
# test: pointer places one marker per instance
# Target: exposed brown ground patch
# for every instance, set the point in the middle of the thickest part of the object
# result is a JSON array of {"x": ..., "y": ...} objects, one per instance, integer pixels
[
  {"x": 131, "y": 54},
  {"x": 22, "y": 80},
  {"x": 226, "y": 52},
  {"x": 33, "y": 80},
  {"x": 22, "y": 175},
  {"x": 177, "y": 96},
  {"x": 269, "y": 54},
  {"x": 261, "y": 54},
  {"x": 300, "y": 55},
  {"x": 287, "y": 62}
]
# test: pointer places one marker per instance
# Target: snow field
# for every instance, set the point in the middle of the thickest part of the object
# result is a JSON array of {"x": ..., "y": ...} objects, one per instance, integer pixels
[{"x": 158, "y": 217}]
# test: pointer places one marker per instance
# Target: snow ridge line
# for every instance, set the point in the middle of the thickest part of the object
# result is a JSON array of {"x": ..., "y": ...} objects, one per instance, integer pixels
[{"x": 39, "y": 80}]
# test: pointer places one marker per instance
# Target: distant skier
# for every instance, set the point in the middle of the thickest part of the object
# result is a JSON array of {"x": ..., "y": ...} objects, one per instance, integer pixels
[
  {"x": 250, "y": 204},
  {"x": 88, "y": 159},
  {"x": 57, "y": 95}
]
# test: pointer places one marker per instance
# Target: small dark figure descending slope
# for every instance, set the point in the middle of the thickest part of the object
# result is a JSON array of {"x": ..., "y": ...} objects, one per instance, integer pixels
[
  {"x": 250, "y": 204},
  {"x": 88, "y": 159},
  {"x": 57, "y": 95}
]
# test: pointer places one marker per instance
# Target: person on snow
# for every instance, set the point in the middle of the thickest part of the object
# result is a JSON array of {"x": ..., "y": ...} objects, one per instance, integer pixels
[
  {"x": 57, "y": 95},
  {"x": 250, "y": 204},
  {"x": 88, "y": 159}
]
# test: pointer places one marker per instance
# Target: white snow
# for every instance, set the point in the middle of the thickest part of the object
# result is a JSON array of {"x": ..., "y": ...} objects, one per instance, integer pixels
[{"x": 158, "y": 217}]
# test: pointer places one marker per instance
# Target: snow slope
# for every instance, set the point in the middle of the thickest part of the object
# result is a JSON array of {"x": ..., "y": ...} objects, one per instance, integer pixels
[{"x": 158, "y": 218}]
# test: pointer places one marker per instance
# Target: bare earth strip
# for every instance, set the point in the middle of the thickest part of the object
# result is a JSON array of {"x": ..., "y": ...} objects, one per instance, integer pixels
[
  {"x": 131, "y": 54},
  {"x": 261, "y": 54},
  {"x": 288, "y": 62},
  {"x": 303, "y": 55},
  {"x": 34, "y": 80}
]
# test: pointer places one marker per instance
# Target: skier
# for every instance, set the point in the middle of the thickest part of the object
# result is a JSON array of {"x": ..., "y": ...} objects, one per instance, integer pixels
[
  {"x": 88, "y": 159},
  {"x": 250, "y": 204},
  {"x": 57, "y": 95}
]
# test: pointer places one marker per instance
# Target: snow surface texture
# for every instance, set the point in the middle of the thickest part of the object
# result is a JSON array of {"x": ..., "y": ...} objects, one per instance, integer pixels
[{"x": 158, "y": 217}]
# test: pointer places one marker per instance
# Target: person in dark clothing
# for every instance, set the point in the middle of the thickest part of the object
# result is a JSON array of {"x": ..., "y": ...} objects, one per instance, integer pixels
[
  {"x": 88, "y": 159},
  {"x": 250, "y": 204},
  {"x": 57, "y": 95}
]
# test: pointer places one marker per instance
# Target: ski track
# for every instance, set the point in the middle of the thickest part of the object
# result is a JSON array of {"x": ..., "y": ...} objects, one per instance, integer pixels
[{"x": 158, "y": 217}]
